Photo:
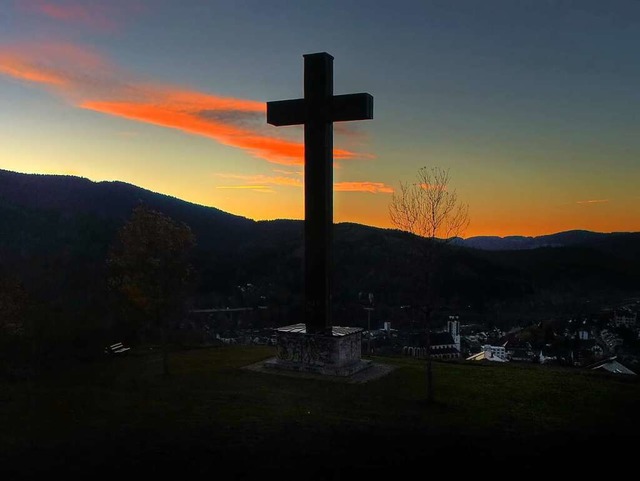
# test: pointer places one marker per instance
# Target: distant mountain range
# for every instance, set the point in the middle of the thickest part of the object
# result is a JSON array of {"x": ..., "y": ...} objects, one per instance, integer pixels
[
  {"x": 115, "y": 200},
  {"x": 561, "y": 239}
]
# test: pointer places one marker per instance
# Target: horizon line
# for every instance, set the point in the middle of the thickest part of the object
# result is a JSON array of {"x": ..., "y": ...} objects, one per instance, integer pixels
[{"x": 577, "y": 229}]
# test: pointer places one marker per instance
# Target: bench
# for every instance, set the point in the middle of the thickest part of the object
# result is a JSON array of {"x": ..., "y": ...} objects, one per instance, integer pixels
[{"x": 117, "y": 348}]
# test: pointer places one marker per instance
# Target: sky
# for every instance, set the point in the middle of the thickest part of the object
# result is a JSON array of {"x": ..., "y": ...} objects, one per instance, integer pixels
[{"x": 532, "y": 105}]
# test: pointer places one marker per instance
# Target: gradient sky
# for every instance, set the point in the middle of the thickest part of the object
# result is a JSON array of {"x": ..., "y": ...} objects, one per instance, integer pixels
[{"x": 533, "y": 105}]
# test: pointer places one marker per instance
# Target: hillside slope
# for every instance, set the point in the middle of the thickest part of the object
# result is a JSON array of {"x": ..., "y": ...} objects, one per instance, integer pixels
[{"x": 56, "y": 230}]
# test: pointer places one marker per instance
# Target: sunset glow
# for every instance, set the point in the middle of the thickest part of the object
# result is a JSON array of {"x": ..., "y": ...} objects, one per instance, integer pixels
[
  {"x": 189, "y": 111},
  {"x": 371, "y": 187},
  {"x": 532, "y": 111}
]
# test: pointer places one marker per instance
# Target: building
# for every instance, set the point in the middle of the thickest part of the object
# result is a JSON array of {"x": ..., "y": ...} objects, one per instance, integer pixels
[
  {"x": 611, "y": 365},
  {"x": 496, "y": 351},
  {"x": 624, "y": 318},
  {"x": 521, "y": 354},
  {"x": 453, "y": 328},
  {"x": 487, "y": 354},
  {"x": 611, "y": 340},
  {"x": 442, "y": 344},
  {"x": 546, "y": 356},
  {"x": 517, "y": 350}
]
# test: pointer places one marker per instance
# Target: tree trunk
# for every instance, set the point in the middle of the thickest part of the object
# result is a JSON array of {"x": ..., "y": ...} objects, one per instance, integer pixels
[
  {"x": 33, "y": 366},
  {"x": 430, "y": 395},
  {"x": 165, "y": 347},
  {"x": 165, "y": 352},
  {"x": 428, "y": 257}
]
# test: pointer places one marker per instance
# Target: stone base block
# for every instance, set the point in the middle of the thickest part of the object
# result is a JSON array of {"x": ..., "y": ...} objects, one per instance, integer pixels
[{"x": 336, "y": 354}]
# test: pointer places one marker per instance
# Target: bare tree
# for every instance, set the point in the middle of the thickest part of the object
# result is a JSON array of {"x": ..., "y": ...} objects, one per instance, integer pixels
[{"x": 429, "y": 208}]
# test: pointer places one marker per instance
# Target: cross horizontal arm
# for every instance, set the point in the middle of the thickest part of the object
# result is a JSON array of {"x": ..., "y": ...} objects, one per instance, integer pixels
[
  {"x": 286, "y": 112},
  {"x": 351, "y": 107}
]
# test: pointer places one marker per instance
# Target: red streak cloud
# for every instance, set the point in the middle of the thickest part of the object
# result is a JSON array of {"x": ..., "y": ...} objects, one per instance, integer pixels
[
  {"x": 371, "y": 187},
  {"x": 16, "y": 68},
  {"x": 92, "y": 83},
  {"x": 275, "y": 150},
  {"x": 264, "y": 180}
]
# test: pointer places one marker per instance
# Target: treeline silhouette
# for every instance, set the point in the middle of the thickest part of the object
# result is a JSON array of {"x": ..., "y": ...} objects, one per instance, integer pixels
[{"x": 55, "y": 232}]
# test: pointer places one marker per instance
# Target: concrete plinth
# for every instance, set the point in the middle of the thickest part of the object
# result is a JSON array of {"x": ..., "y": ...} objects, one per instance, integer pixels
[{"x": 335, "y": 354}]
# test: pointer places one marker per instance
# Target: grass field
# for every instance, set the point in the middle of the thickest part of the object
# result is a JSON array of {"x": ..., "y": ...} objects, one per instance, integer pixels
[{"x": 210, "y": 416}]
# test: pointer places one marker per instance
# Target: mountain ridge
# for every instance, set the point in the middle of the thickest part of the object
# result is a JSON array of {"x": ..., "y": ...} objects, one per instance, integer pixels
[
  {"x": 558, "y": 239},
  {"x": 55, "y": 233},
  {"x": 72, "y": 193},
  {"x": 113, "y": 201}
]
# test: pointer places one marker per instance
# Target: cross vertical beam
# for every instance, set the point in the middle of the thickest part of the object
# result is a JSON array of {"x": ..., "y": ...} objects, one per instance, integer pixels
[
  {"x": 317, "y": 111},
  {"x": 318, "y": 190}
]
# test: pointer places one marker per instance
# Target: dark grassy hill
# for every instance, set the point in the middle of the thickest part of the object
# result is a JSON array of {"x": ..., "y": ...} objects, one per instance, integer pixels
[{"x": 210, "y": 418}]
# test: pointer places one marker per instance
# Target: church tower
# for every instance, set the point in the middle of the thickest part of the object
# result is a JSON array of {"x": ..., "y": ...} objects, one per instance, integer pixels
[{"x": 453, "y": 328}]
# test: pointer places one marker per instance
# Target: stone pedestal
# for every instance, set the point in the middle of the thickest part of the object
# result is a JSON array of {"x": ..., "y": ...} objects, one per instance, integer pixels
[{"x": 335, "y": 354}]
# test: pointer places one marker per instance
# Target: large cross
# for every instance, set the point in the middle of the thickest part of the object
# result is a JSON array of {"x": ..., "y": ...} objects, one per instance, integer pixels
[{"x": 317, "y": 111}]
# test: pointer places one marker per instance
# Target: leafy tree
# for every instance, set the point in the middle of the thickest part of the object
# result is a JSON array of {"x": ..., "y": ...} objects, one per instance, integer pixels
[
  {"x": 149, "y": 264},
  {"x": 429, "y": 208},
  {"x": 12, "y": 307},
  {"x": 14, "y": 346}
]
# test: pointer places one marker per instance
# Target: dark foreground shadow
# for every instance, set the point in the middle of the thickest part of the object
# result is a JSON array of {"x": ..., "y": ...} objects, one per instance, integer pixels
[{"x": 325, "y": 455}]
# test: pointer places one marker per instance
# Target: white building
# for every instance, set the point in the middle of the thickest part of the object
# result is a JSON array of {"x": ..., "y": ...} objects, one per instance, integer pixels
[
  {"x": 453, "y": 328},
  {"x": 487, "y": 355},
  {"x": 496, "y": 351},
  {"x": 611, "y": 365}
]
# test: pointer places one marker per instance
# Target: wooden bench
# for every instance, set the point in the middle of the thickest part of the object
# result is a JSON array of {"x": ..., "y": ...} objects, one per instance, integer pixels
[{"x": 117, "y": 348}]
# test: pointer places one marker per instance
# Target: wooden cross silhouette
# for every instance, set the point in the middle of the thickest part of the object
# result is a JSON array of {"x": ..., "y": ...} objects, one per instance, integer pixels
[{"x": 317, "y": 111}]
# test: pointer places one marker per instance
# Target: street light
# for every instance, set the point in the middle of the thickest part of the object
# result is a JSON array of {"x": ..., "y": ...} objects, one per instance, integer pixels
[
  {"x": 368, "y": 309},
  {"x": 411, "y": 311}
]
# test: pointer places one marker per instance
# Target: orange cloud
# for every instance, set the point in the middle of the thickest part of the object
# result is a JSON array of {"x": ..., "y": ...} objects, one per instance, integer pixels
[
  {"x": 595, "y": 201},
  {"x": 168, "y": 111},
  {"x": 17, "y": 68},
  {"x": 90, "y": 82},
  {"x": 185, "y": 99},
  {"x": 288, "y": 172},
  {"x": 371, "y": 187},
  {"x": 274, "y": 150},
  {"x": 264, "y": 180},
  {"x": 59, "y": 65}
]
